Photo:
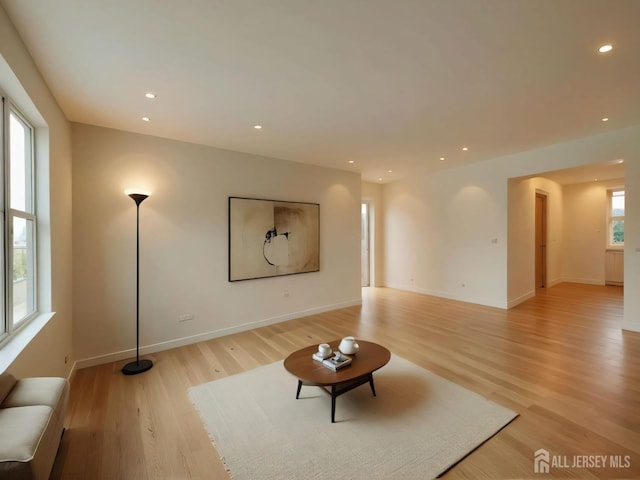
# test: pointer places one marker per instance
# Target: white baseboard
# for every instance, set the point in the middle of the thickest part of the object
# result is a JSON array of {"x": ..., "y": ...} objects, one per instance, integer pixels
[
  {"x": 631, "y": 326},
  {"x": 478, "y": 300},
  {"x": 586, "y": 281},
  {"x": 522, "y": 298},
  {"x": 72, "y": 372},
  {"x": 201, "y": 337}
]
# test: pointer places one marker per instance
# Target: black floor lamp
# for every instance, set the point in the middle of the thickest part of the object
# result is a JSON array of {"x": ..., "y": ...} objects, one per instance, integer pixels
[{"x": 139, "y": 366}]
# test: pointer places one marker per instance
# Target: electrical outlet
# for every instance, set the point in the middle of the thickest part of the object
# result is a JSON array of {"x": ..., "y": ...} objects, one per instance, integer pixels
[{"x": 186, "y": 318}]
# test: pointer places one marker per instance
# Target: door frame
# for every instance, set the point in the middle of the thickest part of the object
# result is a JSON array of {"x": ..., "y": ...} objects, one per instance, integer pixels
[
  {"x": 544, "y": 234},
  {"x": 368, "y": 259}
]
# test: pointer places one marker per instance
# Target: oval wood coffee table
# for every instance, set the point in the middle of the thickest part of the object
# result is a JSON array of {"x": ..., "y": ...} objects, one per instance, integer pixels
[{"x": 369, "y": 358}]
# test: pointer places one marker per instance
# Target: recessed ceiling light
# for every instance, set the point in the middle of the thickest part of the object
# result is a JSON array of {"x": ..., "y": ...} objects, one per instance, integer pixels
[
  {"x": 390, "y": 171},
  {"x": 150, "y": 95},
  {"x": 621, "y": 161},
  {"x": 258, "y": 127},
  {"x": 607, "y": 47},
  {"x": 464, "y": 149},
  {"x": 352, "y": 161},
  {"x": 146, "y": 119},
  {"x": 379, "y": 179},
  {"x": 605, "y": 119},
  {"x": 441, "y": 158},
  {"x": 595, "y": 179}
]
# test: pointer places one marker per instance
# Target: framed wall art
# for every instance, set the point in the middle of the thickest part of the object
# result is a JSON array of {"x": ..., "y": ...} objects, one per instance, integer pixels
[{"x": 269, "y": 238}]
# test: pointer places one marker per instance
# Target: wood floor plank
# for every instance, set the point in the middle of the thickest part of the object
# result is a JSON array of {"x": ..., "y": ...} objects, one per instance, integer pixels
[{"x": 560, "y": 360}]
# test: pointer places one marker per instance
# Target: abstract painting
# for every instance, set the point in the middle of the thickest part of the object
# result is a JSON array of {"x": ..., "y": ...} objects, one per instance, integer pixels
[{"x": 268, "y": 238}]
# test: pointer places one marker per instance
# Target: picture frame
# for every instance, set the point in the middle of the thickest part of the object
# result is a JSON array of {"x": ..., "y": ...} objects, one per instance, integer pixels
[{"x": 271, "y": 238}]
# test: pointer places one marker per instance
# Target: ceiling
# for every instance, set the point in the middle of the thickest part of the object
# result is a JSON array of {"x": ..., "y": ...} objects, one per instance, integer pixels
[
  {"x": 611, "y": 170},
  {"x": 387, "y": 84}
]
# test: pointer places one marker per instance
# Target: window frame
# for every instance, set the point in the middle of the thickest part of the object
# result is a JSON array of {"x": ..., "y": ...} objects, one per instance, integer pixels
[
  {"x": 611, "y": 218},
  {"x": 9, "y": 325}
]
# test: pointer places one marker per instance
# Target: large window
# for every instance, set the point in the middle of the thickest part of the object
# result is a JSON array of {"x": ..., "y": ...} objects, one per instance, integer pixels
[
  {"x": 18, "y": 223},
  {"x": 616, "y": 218}
]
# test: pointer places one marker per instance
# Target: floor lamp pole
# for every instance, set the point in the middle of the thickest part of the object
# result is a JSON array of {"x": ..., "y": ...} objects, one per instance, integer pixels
[{"x": 138, "y": 366}]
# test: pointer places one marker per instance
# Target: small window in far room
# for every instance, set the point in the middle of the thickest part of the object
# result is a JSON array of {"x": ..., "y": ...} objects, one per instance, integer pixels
[{"x": 616, "y": 218}]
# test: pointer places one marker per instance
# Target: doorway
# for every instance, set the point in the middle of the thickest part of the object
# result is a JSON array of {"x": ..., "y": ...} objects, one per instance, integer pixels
[
  {"x": 541, "y": 240},
  {"x": 364, "y": 247}
]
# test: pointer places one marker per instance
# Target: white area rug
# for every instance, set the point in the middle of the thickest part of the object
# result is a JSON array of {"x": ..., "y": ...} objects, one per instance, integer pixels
[{"x": 417, "y": 427}]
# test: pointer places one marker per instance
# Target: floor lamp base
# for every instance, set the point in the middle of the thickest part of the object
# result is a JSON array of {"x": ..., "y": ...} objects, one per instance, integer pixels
[{"x": 134, "y": 368}]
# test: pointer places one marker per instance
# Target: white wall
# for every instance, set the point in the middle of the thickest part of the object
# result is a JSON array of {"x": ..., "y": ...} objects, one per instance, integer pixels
[
  {"x": 632, "y": 244},
  {"x": 439, "y": 232},
  {"x": 19, "y": 77},
  {"x": 520, "y": 241},
  {"x": 439, "y": 227},
  {"x": 372, "y": 194},
  {"x": 521, "y": 235},
  {"x": 585, "y": 228},
  {"x": 576, "y": 236},
  {"x": 184, "y": 242}
]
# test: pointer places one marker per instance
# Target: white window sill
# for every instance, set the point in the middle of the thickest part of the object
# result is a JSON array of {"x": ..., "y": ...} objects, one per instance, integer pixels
[{"x": 14, "y": 346}]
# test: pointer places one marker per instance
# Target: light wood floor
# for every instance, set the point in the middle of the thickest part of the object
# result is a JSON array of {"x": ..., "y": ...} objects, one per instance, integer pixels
[{"x": 560, "y": 360}]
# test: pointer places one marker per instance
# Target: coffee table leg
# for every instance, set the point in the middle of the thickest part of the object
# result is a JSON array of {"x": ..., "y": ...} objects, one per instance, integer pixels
[
  {"x": 299, "y": 388},
  {"x": 373, "y": 389},
  {"x": 333, "y": 404}
]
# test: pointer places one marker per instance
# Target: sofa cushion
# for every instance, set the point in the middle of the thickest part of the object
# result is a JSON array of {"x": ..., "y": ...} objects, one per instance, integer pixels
[
  {"x": 7, "y": 381},
  {"x": 49, "y": 391},
  {"x": 26, "y": 430}
]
